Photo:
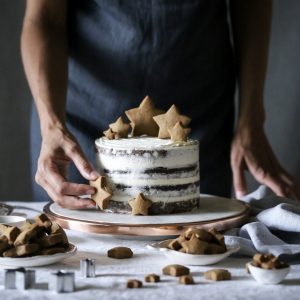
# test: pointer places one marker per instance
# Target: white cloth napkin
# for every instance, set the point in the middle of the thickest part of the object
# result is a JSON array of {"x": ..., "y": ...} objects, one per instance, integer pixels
[{"x": 275, "y": 228}]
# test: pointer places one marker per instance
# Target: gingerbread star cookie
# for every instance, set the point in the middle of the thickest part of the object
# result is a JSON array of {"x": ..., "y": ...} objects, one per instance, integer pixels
[
  {"x": 140, "y": 205},
  {"x": 103, "y": 193},
  {"x": 169, "y": 120},
  {"x": 120, "y": 128},
  {"x": 195, "y": 246},
  {"x": 109, "y": 134},
  {"x": 178, "y": 133},
  {"x": 141, "y": 118}
]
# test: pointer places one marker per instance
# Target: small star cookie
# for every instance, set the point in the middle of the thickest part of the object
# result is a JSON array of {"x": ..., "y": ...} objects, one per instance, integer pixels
[
  {"x": 140, "y": 205},
  {"x": 120, "y": 128},
  {"x": 195, "y": 246},
  {"x": 109, "y": 134},
  {"x": 178, "y": 133},
  {"x": 103, "y": 193},
  {"x": 168, "y": 120},
  {"x": 141, "y": 118}
]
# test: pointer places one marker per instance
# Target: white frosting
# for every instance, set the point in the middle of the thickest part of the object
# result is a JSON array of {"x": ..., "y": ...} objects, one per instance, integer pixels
[
  {"x": 135, "y": 181},
  {"x": 141, "y": 143}
]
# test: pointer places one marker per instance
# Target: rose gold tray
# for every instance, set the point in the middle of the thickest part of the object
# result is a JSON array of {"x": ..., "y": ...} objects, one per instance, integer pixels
[{"x": 153, "y": 226}]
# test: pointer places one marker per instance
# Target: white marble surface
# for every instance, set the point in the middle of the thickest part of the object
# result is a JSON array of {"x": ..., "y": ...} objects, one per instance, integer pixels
[{"x": 112, "y": 276}]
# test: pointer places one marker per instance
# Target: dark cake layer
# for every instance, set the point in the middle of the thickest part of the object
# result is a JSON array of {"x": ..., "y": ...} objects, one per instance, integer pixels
[
  {"x": 180, "y": 188},
  {"x": 157, "y": 208},
  {"x": 159, "y": 172}
]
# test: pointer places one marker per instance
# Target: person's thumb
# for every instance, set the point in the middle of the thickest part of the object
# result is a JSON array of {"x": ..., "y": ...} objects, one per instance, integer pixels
[
  {"x": 239, "y": 181},
  {"x": 82, "y": 164}
]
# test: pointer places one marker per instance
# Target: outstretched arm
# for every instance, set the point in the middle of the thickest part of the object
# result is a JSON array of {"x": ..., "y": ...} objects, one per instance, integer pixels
[
  {"x": 251, "y": 22},
  {"x": 45, "y": 56}
]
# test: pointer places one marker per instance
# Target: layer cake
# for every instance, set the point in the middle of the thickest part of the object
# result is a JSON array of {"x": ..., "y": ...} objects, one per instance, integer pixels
[{"x": 166, "y": 172}]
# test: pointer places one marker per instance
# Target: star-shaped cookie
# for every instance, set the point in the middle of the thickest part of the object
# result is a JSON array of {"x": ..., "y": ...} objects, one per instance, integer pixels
[
  {"x": 195, "y": 246},
  {"x": 140, "y": 205},
  {"x": 103, "y": 192},
  {"x": 120, "y": 128},
  {"x": 109, "y": 134},
  {"x": 178, "y": 133},
  {"x": 141, "y": 118},
  {"x": 168, "y": 120}
]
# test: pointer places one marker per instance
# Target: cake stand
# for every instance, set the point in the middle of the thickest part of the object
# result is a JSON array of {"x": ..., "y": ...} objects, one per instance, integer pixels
[{"x": 221, "y": 213}]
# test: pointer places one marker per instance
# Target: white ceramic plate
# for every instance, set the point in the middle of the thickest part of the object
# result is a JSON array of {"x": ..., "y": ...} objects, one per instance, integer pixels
[
  {"x": 192, "y": 259},
  {"x": 39, "y": 260}
]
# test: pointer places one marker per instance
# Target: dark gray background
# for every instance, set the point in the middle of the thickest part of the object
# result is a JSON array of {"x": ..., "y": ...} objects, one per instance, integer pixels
[{"x": 282, "y": 96}]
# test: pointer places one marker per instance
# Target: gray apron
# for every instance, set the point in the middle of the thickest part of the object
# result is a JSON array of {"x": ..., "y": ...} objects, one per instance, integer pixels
[{"x": 176, "y": 51}]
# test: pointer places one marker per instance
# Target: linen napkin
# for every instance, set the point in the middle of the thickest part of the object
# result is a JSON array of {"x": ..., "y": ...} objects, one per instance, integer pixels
[{"x": 275, "y": 228}]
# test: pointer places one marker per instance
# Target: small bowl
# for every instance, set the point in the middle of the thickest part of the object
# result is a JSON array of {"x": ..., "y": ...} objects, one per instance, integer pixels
[
  {"x": 264, "y": 276},
  {"x": 12, "y": 220}
]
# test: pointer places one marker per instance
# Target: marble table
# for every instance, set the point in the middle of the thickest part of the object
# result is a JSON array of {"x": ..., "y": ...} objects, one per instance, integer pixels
[{"x": 112, "y": 275}]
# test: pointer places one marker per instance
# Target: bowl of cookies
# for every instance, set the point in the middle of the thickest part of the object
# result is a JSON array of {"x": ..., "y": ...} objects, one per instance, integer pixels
[
  {"x": 34, "y": 244},
  {"x": 196, "y": 246},
  {"x": 267, "y": 268}
]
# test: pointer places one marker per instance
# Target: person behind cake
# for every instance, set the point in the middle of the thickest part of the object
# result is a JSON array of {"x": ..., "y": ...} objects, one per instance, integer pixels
[{"x": 89, "y": 61}]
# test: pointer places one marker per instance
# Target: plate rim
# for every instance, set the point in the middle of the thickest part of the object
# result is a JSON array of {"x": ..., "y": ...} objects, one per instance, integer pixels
[
  {"x": 246, "y": 210},
  {"x": 36, "y": 257}
]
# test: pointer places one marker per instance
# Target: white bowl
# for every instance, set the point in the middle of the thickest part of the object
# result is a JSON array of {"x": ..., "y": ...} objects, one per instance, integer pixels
[
  {"x": 264, "y": 276},
  {"x": 12, "y": 220},
  {"x": 192, "y": 259}
]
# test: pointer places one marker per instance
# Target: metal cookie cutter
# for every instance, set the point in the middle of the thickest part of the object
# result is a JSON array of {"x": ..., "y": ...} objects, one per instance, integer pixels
[
  {"x": 20, "y": 279},
  {"x": 88, "y": 267},
  {"x": 62, "y": 282}
]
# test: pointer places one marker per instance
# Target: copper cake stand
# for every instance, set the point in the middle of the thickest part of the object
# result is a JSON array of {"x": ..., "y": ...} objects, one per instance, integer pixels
[{"x": 218, "y": 212}]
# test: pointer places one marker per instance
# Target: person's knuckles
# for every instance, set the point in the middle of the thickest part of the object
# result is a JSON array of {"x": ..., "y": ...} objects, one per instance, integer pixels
[
  {"x": 61, "y": 188},
  {"x": 235, "y": 161},
  {"x": 86, "y": 167},
  {"x": 283, "y": 190},
  {"x": 83, "y": 189},
  {"x": 72, "y": 149},
  {"x": 45, "y": 165},
  {"x": 77, "y": 189},
  {"x": 37, "y": 178},
  {"x": 261, "y": 174}
]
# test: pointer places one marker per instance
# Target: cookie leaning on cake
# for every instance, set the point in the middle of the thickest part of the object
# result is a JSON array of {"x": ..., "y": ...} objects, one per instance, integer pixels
[
  {"x": 149, "y": 165},
  {"x": 40, "y": 238}
]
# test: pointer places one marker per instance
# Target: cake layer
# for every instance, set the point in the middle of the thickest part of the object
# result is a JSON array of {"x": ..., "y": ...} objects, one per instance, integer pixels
[
  {"x": 137, "y": 153},
  {"x": 165, "y": 172},
  {"x": 156, "y": 173},
  {"x": 157, "y": 208}
]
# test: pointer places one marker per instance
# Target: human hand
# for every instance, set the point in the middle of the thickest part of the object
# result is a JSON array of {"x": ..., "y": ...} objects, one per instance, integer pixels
[
  {"x": 59, "y": 148},
  {"x": 251, "y": 151}
]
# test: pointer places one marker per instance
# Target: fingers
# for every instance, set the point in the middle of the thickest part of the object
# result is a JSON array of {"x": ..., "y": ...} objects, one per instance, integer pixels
[
  {"x": 65, "y": 201},
  {"x": 275, "y": 183},
  {"x": 82, "y": 164},
  {"x": 239, "y": 180},
  {"x": 269, "y": 176},
  {"x": 293, "y": 187},
  {"x": 61, "y": 191}
]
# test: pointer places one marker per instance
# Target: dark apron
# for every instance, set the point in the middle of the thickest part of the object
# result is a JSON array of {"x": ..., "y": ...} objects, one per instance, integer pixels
[{"x": 176, "y": 51}]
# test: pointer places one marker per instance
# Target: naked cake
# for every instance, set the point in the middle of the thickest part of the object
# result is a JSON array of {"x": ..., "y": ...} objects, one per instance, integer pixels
[
  {"x": 167, "y": 173},
  {"x": 154, "y": 169}
]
